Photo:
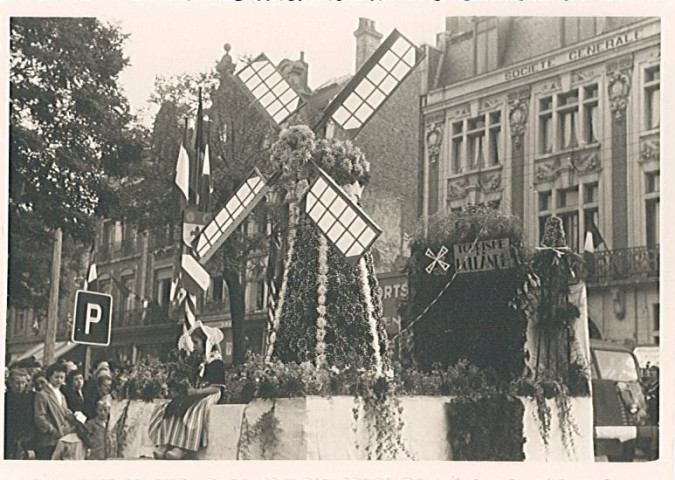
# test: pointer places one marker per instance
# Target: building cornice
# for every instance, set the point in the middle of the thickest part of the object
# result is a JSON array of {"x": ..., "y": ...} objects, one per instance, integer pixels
[{"x": 644, "y": 34}]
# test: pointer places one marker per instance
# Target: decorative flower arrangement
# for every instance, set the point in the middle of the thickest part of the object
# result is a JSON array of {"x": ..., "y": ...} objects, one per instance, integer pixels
[
  {"x": 343, "y": 161},
  {"x": 291, "y": 153}
]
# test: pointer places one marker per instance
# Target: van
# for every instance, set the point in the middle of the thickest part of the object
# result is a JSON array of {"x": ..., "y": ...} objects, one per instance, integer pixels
[{"x": 621, "y": 419}]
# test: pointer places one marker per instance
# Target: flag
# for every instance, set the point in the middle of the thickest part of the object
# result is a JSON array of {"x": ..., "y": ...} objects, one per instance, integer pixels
[
  {"x": 190, "y": 311},
  {"x": 92, "y": 275},
  {"x": 589, "y": 256},
  {"x": 193, "y": 275},
  {"x": 195, "y": 164},
  {"x": 126, "y": 291},
  {"x": 182, "y": 178},
  {"x": 274, "y": 266},
  {"x": 206, "y": 183}
]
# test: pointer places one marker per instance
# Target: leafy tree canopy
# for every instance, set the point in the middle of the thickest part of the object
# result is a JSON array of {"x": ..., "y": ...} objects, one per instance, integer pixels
[{"x": 70, "y": 136}]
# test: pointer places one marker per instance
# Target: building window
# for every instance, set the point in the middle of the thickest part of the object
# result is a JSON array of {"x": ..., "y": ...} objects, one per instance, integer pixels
[
  {"x": 652, "y": 204},
  {"x": 483, "y": 140},
  {"x": 569, "y": 119},
  {"x": 20, "y": 323},
  {"x": 486, "y": 45},
  {"x": 577, "y": 29},
  {"x": 652, "y": 97},
  {"x": 260, "y": 295},
  {"x": 163, "y": 291},
  {"x": 130, "y": 298},
  {"x": 577, "y": 207}
]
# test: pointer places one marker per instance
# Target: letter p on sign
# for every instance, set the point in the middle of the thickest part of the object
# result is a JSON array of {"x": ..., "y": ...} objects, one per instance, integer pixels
[{"x": 92, "y": 319}]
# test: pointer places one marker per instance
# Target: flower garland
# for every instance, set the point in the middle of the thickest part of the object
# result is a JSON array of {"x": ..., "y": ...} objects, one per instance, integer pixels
[
  {"x": 372, "y": 322},
  {"x": 321, "y": 309},
  {"x": 292, "y": 221}
]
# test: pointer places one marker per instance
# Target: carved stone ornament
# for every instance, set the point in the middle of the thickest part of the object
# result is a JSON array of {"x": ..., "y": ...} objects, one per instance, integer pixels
[
  {"x": 618, "y": 86},
  {"x": 489, "y": 104},
  {"x": 519, "y": 104},
  {"x": 434, "y": 137},
  {"x": 490, "y": 183},
  {"x": 459, "y": 112},
  {"x": 458, "y": 188},
  {"x": 586, "y": 162},
  {"x": 650, "y": 150},
  {"x": 584, "y": 76},
  {"x": 547, "y": 170}
]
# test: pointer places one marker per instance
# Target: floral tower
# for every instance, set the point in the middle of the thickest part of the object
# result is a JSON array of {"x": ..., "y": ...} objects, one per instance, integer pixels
[{"x": 329, "y": 311}]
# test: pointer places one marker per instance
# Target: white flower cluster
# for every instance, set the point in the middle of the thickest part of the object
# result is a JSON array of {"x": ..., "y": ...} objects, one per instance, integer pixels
[{"x": 321, "y": 309}]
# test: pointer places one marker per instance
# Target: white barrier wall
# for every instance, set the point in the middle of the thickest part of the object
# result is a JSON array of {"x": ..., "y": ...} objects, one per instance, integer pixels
[{"x": 324, "y": 428}]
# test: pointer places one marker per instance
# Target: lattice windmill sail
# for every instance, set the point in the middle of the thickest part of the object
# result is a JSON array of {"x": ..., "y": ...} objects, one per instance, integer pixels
[
  {"x": 269, "y": 90},
  {"x": 339, "y": 218},
  {"x": 349, "y": 229},
  {"x": 237, "y": 208},
  {"x": 373, "y": 84}
]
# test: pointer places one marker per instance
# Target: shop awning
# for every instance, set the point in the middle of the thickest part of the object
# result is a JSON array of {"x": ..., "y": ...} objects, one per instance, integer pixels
[{"x": 38, "y": 351}]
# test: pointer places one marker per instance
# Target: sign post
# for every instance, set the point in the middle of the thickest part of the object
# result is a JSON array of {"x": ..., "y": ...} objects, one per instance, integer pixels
[{"x": 92, "y": 319}]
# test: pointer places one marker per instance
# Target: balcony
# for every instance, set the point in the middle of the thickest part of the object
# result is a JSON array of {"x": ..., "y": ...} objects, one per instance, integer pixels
[
  {"x": 627, "y": 265},
  {"x": 153, "y": 315}
]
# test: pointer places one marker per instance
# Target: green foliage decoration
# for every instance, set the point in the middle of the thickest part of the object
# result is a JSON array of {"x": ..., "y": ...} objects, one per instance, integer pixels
[
  {"x": 265, "y": 433},
  {"x": 472, "y": 320},
  {"x": 489, "y": 428}
]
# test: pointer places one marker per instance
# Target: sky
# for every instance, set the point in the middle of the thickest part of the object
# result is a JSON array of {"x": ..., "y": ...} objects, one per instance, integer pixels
[
  {"x": 176, "y": 39},
  {"x": 170, "y": 37}
]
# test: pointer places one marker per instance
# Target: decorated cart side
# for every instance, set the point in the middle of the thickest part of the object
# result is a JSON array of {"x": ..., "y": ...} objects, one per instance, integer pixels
[{"x": 497, "y": 336}]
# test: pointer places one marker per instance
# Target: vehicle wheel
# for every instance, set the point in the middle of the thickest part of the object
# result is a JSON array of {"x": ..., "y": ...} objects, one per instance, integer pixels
[{"x": 627, "y": 453}]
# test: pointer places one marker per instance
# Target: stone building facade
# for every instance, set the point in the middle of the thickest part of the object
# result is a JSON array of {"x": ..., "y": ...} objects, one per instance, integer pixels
[{"x": 550, "y": 115}]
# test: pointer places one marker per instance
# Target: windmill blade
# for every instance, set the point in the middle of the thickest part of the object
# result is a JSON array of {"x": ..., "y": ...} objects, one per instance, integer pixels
[
  {"x": 237, "y": 208},
  {"x": 373, "y": 84},
  {"x": 269, "y": 90},
  {"x": 341, "y": 220}
]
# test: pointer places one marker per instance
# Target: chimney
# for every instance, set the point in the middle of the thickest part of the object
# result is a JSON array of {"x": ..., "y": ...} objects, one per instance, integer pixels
[
  {"x": 367, "y": 40},
  {"x": 296, "y": 73}
]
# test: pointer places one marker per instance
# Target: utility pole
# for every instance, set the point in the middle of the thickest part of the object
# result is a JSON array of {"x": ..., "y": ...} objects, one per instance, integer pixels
[{"x": 53, "y": 309}]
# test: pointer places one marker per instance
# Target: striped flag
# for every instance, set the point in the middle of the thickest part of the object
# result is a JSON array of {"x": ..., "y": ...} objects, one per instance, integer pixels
[
  {"x": 190, "y": 310},
  {"x": 272, "y": 275}
]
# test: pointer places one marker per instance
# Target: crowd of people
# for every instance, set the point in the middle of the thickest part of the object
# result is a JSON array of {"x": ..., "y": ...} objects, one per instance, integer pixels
[{"x": 54, "y": 413}]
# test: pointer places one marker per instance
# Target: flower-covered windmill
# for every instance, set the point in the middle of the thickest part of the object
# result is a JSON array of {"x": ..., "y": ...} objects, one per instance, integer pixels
[{"x": 329, "y": 234}]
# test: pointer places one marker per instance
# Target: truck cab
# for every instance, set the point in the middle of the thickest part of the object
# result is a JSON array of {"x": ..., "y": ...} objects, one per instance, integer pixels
[{"x": 621, "y": 419}]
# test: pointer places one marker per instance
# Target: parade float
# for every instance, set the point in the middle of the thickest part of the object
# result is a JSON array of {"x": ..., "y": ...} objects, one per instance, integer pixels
[{"x": 498, "y": 334}]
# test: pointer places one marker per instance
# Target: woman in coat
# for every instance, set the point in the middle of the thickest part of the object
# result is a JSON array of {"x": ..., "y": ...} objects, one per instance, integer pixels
[
  {"x": 53, "y": 420},
  {"x": 179, "y": 428}
]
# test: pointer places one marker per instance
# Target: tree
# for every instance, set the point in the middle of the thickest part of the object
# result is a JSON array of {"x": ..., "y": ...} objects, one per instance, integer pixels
[{"x": 68, "y": 132}]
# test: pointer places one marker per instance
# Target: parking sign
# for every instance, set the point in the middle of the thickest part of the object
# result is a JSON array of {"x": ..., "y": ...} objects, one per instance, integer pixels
[{"x": 93, "y": 312}]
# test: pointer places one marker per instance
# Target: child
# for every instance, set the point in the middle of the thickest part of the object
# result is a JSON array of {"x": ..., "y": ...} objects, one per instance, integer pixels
[{"x": 97, "y": 430}]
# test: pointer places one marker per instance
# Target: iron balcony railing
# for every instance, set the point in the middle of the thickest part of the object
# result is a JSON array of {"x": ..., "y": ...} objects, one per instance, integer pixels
[
  {"x": 153, "y": 315},
  {"x": 625, "y": 265}
]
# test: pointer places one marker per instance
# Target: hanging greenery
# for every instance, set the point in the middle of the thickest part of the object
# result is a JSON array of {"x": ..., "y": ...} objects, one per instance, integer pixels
[
  {"x": 265, "y": 433},
  {"x": 489, "y": 428},
  {"x": 375, "y": 398}
]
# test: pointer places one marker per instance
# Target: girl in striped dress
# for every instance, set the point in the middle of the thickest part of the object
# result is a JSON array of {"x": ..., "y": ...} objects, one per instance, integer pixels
[{"x": 179, "y": 428}]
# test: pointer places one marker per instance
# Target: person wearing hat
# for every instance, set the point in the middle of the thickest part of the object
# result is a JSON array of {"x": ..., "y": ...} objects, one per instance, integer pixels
[{"x": 179, "y": 428}]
